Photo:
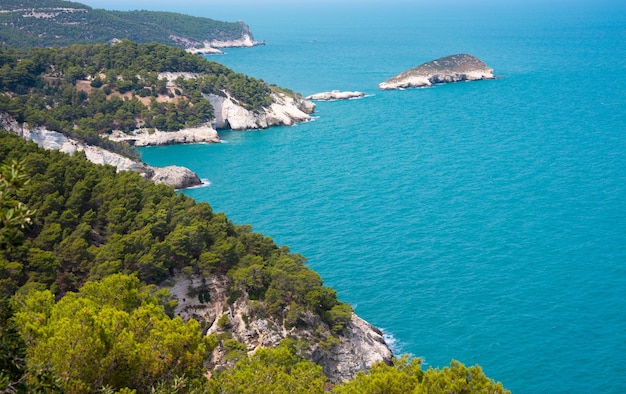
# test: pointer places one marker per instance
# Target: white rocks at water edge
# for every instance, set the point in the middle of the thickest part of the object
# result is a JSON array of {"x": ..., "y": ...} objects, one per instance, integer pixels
[
  {"x": 150, "y": 137},
  {"x": 285, "y": 110},
  {"x": 454, "y": 68},
  {"x": 175, "y": 176},
  {"x": 335, "y": 95}
]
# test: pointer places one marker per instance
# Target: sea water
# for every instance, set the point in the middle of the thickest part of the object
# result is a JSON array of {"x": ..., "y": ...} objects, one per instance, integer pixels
[{"x": 482, "y": 221}]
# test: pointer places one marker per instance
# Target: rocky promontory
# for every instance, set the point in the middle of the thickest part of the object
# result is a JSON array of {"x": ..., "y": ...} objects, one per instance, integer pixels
[
  {"x": 285, "y": 110},
  {"x": 335, "y": 95},
  {"x": 357, "y": 348},
  {"x": 454, "y": 68},
  {"x": 175, "y": 176}
]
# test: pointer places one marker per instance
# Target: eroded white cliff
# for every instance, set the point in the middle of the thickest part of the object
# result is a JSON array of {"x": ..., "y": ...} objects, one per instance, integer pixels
[
  {"x": 175, "y": 176},
  {"x": 151, "y": 137},
  {"x": 284, "y": 111}
]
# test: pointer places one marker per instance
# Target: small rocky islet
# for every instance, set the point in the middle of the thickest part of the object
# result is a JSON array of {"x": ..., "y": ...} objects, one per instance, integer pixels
[{"x": 453, "y": 68}]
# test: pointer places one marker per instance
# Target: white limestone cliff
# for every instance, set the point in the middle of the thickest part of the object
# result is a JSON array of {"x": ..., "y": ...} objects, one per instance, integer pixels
[
  {"x": 150, "y": 137},
  {"x": 284, "y": 111},
  {"x": 175, "y": 176}
]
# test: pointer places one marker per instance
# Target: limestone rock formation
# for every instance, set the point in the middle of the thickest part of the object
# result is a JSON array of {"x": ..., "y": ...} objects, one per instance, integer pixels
[
  {"x": 453, "y": 68},
  {"x": 178, "y": 177},
  {"x": 284, "y": 111},
  {"x": 360, "y": 345},
  {"x": 145, "y": 137},
  {"x": 335, "y": 95}
]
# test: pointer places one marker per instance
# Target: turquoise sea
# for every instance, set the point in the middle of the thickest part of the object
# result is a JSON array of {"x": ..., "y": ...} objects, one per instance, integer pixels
[{"x": 482, "y": 221}]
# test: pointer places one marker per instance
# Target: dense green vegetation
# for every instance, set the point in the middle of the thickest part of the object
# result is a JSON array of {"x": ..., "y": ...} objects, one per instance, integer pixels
[
  {"x": 79, "y": 264},
  {"x": 86, "y": 90},
  {"x": 47, "y": 23}
]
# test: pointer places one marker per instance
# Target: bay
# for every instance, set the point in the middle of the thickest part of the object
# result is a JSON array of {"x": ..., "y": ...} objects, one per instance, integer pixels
[{"x": 483, "y": 221}]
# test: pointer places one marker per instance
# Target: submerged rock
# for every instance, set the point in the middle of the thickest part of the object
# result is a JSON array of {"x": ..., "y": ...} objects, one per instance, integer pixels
[{"x": 448, "y": 69}]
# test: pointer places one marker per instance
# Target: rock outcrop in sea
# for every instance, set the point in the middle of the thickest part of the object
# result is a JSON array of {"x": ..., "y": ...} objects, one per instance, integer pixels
[
  {"x": 335, "y": 95},
  {"x": 447, "y": 69},
  {"x": 359, "y": 345}
]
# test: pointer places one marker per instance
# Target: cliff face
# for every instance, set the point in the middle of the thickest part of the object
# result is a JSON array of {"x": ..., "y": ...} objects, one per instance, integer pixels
[
  {"x": 175, "y": 176},
  {"x": 284, "y": 111},
  {"x": 358, "y": 347},
  {"x": 448, "y": 69}
]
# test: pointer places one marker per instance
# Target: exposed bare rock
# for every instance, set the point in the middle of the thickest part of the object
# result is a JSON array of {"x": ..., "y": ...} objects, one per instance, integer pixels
[
  {"x": 360, "y": 346},
  {"x": 448, "y": 69},
  {"x": 176, "y": 176},
  {"x": 149, "y": 137},
  {"x": 284, "y": 111},
  {"x": 245, "y": 41},
  {"x": 335, "y": 95}
]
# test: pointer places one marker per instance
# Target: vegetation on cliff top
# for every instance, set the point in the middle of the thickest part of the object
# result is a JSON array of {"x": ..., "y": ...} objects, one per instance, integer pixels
[
  {"x": 86, "y": 90},
  {"x": 79, "y": 263},
  {"x": 47, "y": 23}
]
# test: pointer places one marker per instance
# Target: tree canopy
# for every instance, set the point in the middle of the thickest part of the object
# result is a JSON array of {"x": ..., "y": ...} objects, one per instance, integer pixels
[
  {"x": 48, "y": 23},
  {"x": 85, "y": 91},
  {"x": 85, "y": 314}
]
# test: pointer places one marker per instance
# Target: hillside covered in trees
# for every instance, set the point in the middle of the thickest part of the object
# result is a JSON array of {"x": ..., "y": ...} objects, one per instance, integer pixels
[
  {"x": 82, "y": 249},
  {"x": 84, "y": 91},
  {"x": 47, "y": 23}
]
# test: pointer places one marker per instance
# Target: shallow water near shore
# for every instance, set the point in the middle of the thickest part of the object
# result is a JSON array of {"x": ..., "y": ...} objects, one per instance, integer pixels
[{"x": 482, "y": 221}]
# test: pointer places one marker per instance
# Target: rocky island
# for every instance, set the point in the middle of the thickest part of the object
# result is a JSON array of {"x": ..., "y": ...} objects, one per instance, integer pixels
[
  {"x": 335, "y": 95},
  {"x": 454, "y": 68}
]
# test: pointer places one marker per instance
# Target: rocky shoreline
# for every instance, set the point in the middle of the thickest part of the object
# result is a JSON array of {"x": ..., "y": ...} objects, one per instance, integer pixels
[
  {"x": 150, "y": 137},
  {"x": 360, "y": 345},
  {"x": 175, "y": 176},
  {"x": 335, "y": 95},
  {"x": 214, "y": 47}
]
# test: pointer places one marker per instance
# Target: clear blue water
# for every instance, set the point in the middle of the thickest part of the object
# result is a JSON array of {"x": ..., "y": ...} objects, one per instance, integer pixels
[{"x": 483, "y": 221}]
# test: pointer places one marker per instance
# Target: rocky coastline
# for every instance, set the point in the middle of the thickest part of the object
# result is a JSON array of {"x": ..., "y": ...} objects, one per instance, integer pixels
[
  {"x": 215, "y": 47},
  {"x": 150, "y": 137},
  {"x": 284, "y": 111},
  {"x": 175, "y": 176},
  {"x": 359, "y": 346},
  {"x": 454, "y": 68}
]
